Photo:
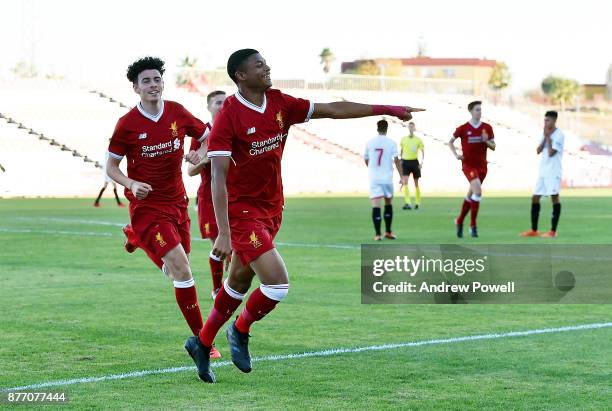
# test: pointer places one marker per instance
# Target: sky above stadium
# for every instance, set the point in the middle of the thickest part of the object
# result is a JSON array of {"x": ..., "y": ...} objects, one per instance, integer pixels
[{"x": 98, "y": 39}]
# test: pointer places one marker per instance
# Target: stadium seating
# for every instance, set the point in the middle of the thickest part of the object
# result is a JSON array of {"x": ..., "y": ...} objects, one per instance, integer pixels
[
  {"x": 321, "y": 156},
  {"x": 33, "y": 167}
]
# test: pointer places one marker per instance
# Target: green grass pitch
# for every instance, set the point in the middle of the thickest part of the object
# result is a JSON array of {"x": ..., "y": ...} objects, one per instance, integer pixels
[{"x": 74, "y": 304}]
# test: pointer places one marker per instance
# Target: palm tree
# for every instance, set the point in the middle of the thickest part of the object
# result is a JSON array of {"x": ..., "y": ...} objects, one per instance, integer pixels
[
  {"x": 561, "y": 90},
  {"x": 327, "y": 57}
]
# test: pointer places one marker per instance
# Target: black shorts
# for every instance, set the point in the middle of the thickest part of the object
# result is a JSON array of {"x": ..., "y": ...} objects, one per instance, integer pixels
[{"x": 411, "y": 167}]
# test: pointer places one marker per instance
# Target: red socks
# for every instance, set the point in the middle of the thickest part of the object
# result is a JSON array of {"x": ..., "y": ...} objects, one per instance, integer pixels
[
  {"x": 226, "y": 303},
  {"x": 474, "y": 206},
  {"x": 187, "y": 300},
  {"x": 216, "y": 271},
  {"x": 465, "y": 208},
  {"x": 261, "y": 302}
]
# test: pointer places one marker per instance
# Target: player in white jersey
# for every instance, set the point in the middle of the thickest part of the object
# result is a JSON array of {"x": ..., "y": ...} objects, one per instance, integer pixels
[
  {"x": 549, "y": 178},
  {"x": 380, "y": 155}
]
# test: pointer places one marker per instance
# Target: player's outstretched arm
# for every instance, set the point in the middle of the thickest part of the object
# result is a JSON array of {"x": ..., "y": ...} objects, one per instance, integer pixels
[
  {"x": 451, "y": 145},
  {"x": 347, "y": 109},
  {"x": 195, "y": 169},
  {"x": 140, "y": 190},
  {"x": 219, "y": 166}
]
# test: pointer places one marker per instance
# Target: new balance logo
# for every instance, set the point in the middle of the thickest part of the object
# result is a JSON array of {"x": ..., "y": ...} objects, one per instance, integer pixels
[
  {"x": 250, "y": 131},
  {"x": 142, "y": 136}
]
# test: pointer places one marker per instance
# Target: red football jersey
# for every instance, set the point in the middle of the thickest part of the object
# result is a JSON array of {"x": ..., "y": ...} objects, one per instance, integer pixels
[
  {"x": 473, "y": 147},
  {"x": 154, "y": 149},
  {"x": 204, "y": 193},
  {"x": 255, "y": 139}
]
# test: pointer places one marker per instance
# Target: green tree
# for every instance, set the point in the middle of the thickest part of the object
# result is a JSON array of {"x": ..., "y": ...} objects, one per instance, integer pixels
[
  {"x": 561, "y": 90},
  {"x": 500, "y": 76},
  {"x": 366, "y": 68},
  {"x": 327, "y": 57}
]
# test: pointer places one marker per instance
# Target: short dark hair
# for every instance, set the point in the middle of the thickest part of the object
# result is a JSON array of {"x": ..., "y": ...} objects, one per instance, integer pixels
[
  {"x": 145, "y": 63},
  {"x": 234, "y": 63},
  {"x": 552, "y": 114},
  {"x": 382, "y": 126},
  {"x": 473, "y": 103},
  {"x": 213, "y": 94}
]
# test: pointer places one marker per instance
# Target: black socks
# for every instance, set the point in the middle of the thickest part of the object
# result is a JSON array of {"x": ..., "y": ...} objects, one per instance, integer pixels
[
  {"x": 388, "y": 217},
  {"x": 535, "y": 215},
  {"x": 376, "y": 219}
]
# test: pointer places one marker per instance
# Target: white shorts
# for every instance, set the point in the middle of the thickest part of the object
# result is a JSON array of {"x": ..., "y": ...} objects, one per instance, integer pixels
[
  {"x": 547, "y": 185},
  {"x": 378, "y": 190}
]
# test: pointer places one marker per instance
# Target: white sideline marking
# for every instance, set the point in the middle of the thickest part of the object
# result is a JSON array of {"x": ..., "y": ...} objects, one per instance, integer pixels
[
  {"x": 426, "y": 248},
  {"x": 71, "y": 221},
  {"x": 103, "y": 234},
  {"x": 324, "y": 353},
  {"x": 76, "y": 233},
  {"x": 340, "y": 246}
]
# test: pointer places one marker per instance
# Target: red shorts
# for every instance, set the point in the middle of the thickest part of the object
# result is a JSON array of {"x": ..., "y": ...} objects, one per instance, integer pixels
[
  {"x": 206, "y": 218},
  {"x": 472, "y": 172},
  {"x": 254, "y": 237},
  {"x": 160, "y": 227}
]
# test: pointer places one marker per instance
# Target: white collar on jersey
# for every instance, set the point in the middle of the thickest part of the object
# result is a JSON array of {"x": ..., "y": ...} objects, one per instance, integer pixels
[
  {"x": 250, "y": 105},
  {"x": 149, "y": 116},
  {"x": 475, "y": 125}
]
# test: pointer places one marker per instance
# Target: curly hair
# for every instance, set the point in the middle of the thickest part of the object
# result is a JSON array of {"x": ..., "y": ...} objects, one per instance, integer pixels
[{"x": 145, "y": 63}]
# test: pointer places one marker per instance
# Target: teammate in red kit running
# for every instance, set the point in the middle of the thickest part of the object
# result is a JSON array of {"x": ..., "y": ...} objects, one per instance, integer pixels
[
  {"x": 245, "y": 147},
  {"x": 151, "y": 136},
  {"x": 206, "y": 212},
  {"x": 476, "y": 138}
]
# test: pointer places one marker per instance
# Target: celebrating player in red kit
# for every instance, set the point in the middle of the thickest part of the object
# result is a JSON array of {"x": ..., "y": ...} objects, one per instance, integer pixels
[
  {"x": 476, "y": 138},
  {"x": 245, "y": 147},
  {"x": 206, "y": 213},
  {"x": 151, "y": 136}
]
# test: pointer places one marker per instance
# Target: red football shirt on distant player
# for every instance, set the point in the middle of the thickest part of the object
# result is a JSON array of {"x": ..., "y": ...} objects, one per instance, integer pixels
[
  {"x": 472, "y": 144},
  {"x": 206, "y": 212},
  {"x": 204, "y": 188},
  {"x": 154, "y": 149},
  {"x": 255, "y": 138}
]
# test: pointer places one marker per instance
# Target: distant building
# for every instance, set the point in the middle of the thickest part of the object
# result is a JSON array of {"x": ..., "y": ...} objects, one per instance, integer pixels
[
  {"x": 472, "y": 69},
  {"x": 594, "y": 92},
  {"x": 598, "y": 92}
]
